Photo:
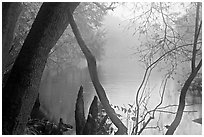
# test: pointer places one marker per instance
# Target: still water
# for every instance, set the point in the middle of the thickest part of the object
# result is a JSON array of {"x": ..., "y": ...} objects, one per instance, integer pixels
[{"x": 120, "y": 79}]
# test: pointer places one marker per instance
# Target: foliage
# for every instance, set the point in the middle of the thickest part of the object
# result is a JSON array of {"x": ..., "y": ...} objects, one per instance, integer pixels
[
  {"x": 45, "y": 127},
  {"x": 24, "y": 24},
  {"x": 105, "y": 125},
  {"x": 88, "y": 17},
  {"x": 66, "y": 51}
]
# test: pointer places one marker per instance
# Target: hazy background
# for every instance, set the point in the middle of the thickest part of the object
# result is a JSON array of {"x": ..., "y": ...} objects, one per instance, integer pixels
[{"x": 120, "y": 73}]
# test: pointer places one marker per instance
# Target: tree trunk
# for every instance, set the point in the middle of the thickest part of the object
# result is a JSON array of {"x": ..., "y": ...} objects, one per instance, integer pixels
[
  {"x": 21, "y": 89},
  {"x": 194, "y": 71},
  {"x": 182, "y": 98},
  {"x": 10, "y": 14}
]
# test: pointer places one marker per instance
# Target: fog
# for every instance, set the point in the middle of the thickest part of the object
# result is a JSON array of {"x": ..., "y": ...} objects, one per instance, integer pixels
[{"x": 120, "y": 73}]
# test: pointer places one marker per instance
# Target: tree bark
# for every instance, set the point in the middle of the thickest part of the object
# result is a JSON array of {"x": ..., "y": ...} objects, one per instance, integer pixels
[
  {"x": 10, "y": 13},
  {"x": 21, "y": 89},
  {"x": 94, "y": 77},
  {"x": 79, "y": 113}
]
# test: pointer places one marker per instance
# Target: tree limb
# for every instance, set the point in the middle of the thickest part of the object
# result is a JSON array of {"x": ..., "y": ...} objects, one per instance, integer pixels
[
  {"x": 187, "y": 83},
  {"x": 181, "y": 106},
  {"x": 94, "y": 77},
  {"x": 155, "y": 109},
  {"x": 196, "y": 34}
]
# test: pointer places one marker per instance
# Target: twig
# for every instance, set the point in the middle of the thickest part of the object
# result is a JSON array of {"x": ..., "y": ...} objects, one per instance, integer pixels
[
  {"x": 152, "y": 117},
  {"x": 106, "y": 8}
]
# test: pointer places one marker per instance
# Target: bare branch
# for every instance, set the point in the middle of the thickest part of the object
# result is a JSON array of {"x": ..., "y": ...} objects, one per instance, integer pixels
[
  {"x": 164, "y": 107},
  {"x": 144, "y": 79},
  {"x": 196, "y": 34},
  {"x": 162, "y": 96},
  {"x": 144, "y": 126},
  {"x": 175, "y": 112},
  {"x": 110, "y": 7}
]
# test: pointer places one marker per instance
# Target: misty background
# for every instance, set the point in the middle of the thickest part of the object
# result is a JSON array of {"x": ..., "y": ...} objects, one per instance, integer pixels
[{"x": 120, "y": 73}]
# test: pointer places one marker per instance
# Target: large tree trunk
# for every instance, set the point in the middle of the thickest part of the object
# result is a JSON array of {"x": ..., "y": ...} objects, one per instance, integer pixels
[
  {"x": 10, "y": 14},
  {"x": 21, "y": 89}
]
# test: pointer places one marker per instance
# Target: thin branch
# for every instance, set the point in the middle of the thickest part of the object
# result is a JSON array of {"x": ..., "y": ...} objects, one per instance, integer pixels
[
  {"x": 175, "y": 112},
  {"x": 165, "y": 29},
  {"x": 196, "y": 34},
  {"x": 164, "y": 107},
  {"x": 110, "y": 7},
  {"x": 165, "y": 82},
  {"x": 144, "y": 126},
  {"x": 162, "y": 96},
  {"x": 145, "y": 84},
  {"x": 199, "y": 28},
  {"x": 144, "y": 78}
]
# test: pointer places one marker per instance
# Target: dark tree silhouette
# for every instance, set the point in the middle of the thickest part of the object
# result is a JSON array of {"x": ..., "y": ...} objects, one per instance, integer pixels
[{"x": 21, "y": 89}]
